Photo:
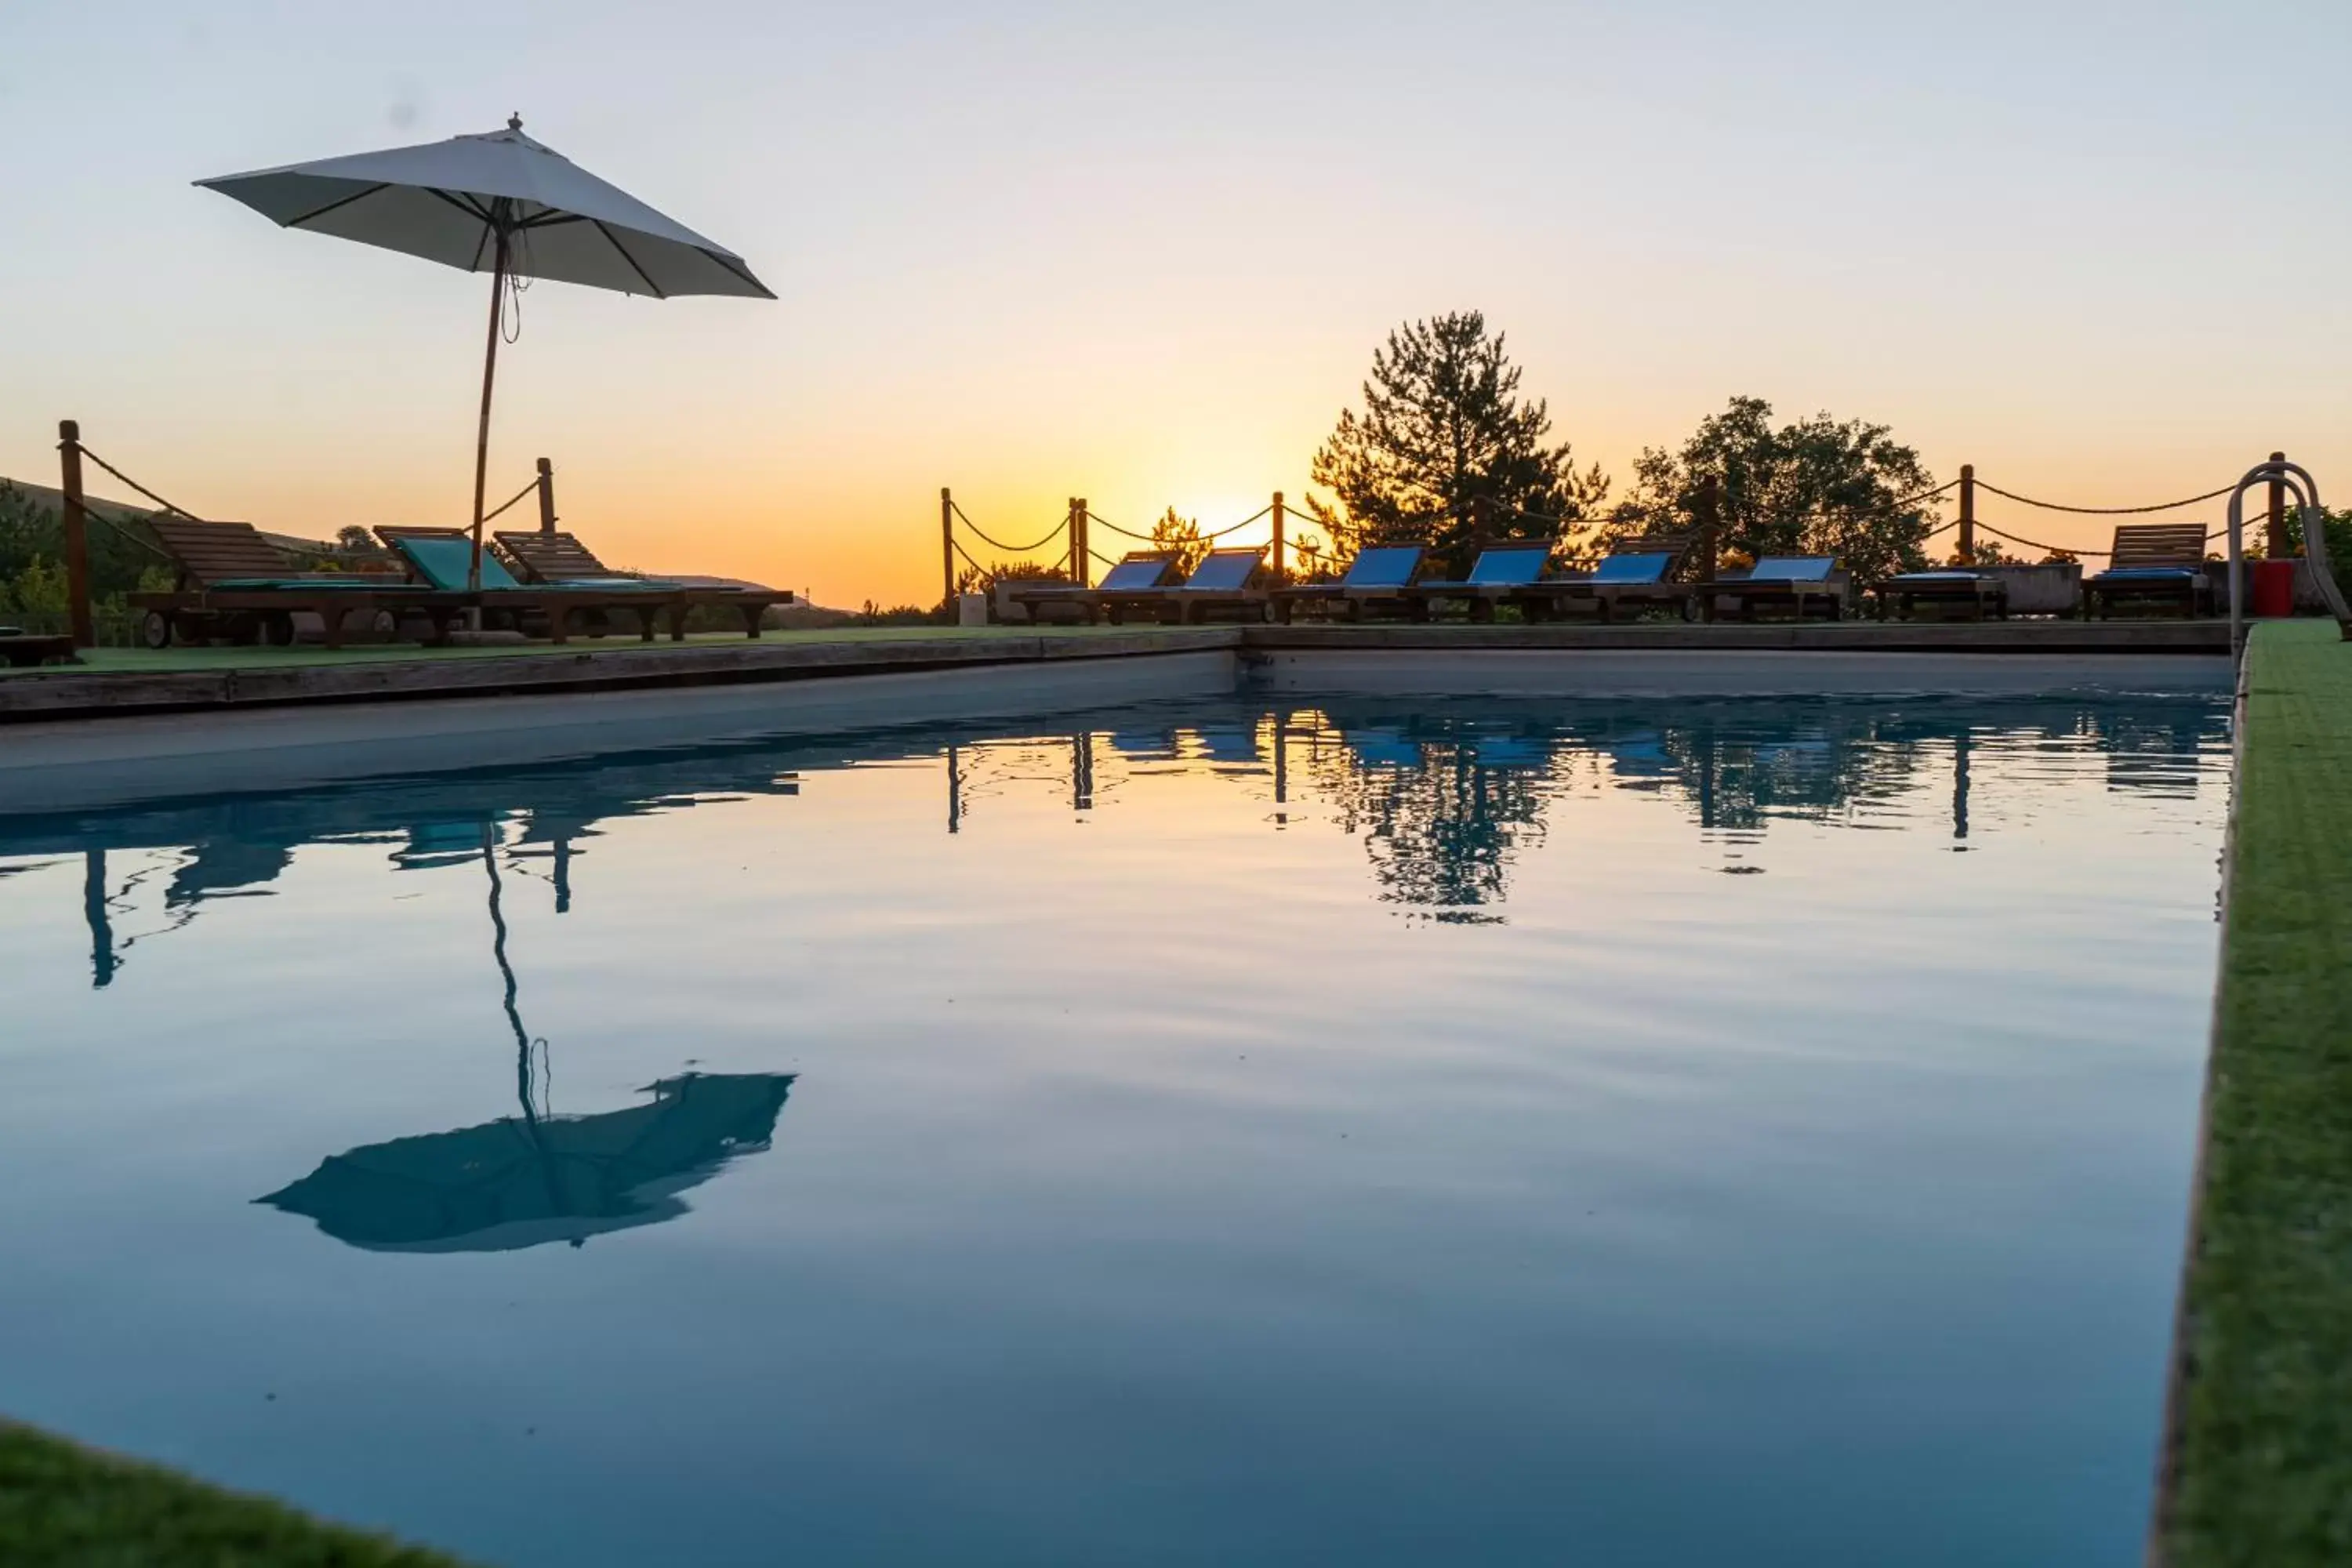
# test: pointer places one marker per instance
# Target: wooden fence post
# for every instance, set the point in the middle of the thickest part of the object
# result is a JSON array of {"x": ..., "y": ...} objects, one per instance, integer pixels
[
  {"x": 947, "y": 547},
  {"x": 546, "y": 496},
  {"x": 75, "y": 517},
  {"x": 1968, "y": 549},
  {"x": 1278, "y": 572},
  {"x": 2276, "y": 548},
  {"x": 1079, "y": 509}
]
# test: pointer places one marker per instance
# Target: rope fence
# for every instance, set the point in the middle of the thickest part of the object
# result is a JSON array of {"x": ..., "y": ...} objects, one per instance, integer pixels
[{"x": 1072, "y": 533}]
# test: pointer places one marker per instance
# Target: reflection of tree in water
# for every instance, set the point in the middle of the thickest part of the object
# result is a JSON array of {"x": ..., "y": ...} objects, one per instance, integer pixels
[{"x": 1443, "y": 809}]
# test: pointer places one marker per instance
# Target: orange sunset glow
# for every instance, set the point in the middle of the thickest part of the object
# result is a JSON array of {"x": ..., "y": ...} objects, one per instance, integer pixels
[{"x": 1148, "y": 262}]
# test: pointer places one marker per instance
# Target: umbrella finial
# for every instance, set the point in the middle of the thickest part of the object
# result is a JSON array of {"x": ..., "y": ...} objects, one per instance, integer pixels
[{"x": 514, "y": 122}]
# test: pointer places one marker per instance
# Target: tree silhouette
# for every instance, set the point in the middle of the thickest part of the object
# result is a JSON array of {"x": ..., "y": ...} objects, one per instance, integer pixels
[
  {"x": 1816, "y": 486},
  {"x": 1447, "y": 451}
]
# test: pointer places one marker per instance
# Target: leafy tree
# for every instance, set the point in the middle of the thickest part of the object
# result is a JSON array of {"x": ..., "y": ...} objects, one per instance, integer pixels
[
  {"x": 1447, "y": 451},
  {"x": 122, "y": 553},
  {"x": 2339, "y": 542},
  {"x": 984, "y": 579},
  {"x": 1180, "y": 537},
  {"x": 1816, "y": 486}
]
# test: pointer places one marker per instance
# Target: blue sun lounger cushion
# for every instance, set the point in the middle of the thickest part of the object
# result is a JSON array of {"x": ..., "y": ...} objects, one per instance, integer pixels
[
  {"x": 1513, "y": 567},
  {"x": 1224, "y": 571},
  {"x": 1130, "y": 575},
  {"x": 1645, "y": 567},
  {"x": 1389, "y": 566},
  {"x": 1949, "y": 576},
  {"x": 2147, "y": 574},
  {"x": 1793, "y": 569}
]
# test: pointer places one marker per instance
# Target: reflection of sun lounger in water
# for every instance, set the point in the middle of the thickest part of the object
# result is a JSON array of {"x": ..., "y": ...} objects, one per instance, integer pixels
[
  {"x": 1227, "y": 746},
  {"x": 1383, "y": 749}
]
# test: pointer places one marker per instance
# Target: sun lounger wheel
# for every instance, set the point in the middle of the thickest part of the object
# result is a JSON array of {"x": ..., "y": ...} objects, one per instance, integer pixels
[
  {"x": 276, "y": 629},
  {"x": 155, "y": 629}
]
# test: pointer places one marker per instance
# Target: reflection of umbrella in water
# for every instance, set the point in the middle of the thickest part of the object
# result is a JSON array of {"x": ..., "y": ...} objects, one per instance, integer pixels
[{"x": 522, "y": 1180}]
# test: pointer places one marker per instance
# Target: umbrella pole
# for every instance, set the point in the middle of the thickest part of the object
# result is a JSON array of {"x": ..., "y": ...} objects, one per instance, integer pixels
[{"x": 482, "y": 435}]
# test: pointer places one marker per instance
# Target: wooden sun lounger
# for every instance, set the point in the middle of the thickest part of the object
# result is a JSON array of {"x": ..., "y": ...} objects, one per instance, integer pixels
[
  {"x": 1500, "y": 574},
  {"x": 1136, "y": 571},
  {"x": 1800, "y": 583},
  {"x": 1220, "y": 582},
  {"x": 555, "y": 560},
  {"x": 1903, "y": 593},
  {"x": 2164, "y": 561},
  {"x": 442, "y": 558},
  {"x": 1380, "y": 576},
  {"x": 233, "y": 583},
  {"x": 1646, "y": 573}
]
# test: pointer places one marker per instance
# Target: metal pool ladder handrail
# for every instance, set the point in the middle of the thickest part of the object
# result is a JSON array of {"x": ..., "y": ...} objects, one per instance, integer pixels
[{"x": 2314, "y": 516}]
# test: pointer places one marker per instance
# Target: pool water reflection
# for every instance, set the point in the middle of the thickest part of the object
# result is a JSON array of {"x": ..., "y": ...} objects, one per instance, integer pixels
[{"x": 1355, "y": 1131}]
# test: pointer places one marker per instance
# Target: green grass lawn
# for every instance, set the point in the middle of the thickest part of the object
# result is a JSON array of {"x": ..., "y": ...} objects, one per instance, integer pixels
[
  {"x": 2265, "y": 1449},
  {"x": 67, "y": 1506}
]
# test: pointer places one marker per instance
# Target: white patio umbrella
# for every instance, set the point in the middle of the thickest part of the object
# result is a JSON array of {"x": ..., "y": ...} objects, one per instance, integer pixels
[{"x": 503, "y": 204}]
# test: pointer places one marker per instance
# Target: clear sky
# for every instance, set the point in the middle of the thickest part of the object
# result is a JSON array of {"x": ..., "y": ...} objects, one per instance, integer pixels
[{"x": 1142, "y": 253}]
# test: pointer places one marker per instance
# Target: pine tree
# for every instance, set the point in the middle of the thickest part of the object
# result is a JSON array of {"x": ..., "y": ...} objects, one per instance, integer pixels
[{"x": 1447, "y": 453}]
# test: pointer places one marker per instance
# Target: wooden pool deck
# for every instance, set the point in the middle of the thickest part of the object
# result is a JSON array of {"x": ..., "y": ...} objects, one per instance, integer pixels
[{"x": 130, "y": 681}]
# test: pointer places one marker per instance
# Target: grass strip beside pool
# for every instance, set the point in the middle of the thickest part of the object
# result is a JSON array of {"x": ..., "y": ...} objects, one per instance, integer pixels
[
  {"x": 61, "y": 1504},
  {"x": 2264, "y": 1415}
]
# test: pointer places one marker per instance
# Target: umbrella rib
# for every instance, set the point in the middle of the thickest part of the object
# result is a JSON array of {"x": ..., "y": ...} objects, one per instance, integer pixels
[
  {"x": 739, "y": 270},
  {"x": 338, "y": 202},
  {"x": 651, "y": 287}
]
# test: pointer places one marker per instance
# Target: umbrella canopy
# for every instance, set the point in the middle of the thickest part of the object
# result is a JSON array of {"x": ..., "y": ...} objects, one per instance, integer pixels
[
  {"x": 451, "y": 202},
  {"x": 524, "y": 1181},
  {"x": 500, "y": 204}
]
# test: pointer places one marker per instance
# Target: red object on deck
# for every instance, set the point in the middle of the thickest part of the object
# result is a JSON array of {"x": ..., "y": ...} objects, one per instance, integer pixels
[{"x": 2274, "y": 587}]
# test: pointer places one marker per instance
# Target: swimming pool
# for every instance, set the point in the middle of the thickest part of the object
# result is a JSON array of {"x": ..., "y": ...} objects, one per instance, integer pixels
[{"x": 1355, "y": 1129}]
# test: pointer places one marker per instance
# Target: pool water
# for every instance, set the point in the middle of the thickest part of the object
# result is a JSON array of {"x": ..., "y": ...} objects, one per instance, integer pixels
[{"x": 1355, "y": 1131}]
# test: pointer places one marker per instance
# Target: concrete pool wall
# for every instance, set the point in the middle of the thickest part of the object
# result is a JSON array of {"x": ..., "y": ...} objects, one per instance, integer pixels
[{"x": 77, "y": 765}]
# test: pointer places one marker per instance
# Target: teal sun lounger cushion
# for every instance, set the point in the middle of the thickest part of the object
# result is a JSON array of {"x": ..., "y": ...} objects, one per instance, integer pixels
[
  {"x": 386, "y": 584},
  {"x": 444, "y": 563}
]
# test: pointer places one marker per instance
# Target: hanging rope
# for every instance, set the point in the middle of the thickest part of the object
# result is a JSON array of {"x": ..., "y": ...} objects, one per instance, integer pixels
[
  {"x": 1926, "y": 495},
  {"x": 1983, "y": 527},
  {"x": 142, "y": 490},
  {"x": 518, "y": 284},
  {"x": 2105, "y": 510},
  {"x": 1262, "y": 511},
  {"x": 997, "y": 543},
  {"x": 1197, "y": 539},
  {"x": 1116, "y": 528},
  {"x": 527, "y": 489},
  {"x": 144, "y": 542}
]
